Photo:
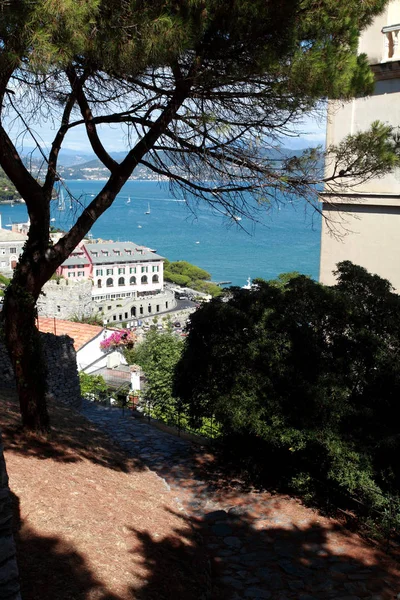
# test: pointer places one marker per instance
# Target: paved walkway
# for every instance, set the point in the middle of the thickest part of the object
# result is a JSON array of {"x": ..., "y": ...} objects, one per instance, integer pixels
[{"x": 260, "y": 546}]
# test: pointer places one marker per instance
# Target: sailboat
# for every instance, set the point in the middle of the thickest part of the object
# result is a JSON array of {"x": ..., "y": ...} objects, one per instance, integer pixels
[
  {"x": 129, "y": 200},
  {"x": 61, "y": 201},
  {"x": 148, "y": 209}
]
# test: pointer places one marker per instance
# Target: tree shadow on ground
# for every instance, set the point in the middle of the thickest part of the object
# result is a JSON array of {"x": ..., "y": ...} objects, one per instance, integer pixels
[
  {"x": 244, "y": 562},
  {"x": 274, "y": 562},
  {"x": 72, "y": 438}
]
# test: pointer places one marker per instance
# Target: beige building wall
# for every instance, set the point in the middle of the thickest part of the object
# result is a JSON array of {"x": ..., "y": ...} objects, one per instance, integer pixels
[
  {"x": 372, "y": 241},
  {"x": 362, "y": 222}
]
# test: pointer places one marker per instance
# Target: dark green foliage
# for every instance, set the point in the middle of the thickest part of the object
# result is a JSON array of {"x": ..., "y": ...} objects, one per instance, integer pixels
[
  {"x": 183, "y": 273},
  {"x": 305, "y": 381}
]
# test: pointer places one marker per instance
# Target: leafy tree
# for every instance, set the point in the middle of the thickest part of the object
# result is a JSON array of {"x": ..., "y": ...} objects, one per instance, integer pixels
[
  {"x": 304, "y": 380},
  {"x": 92, "y": 384},
  {"x": 203, "y": 88},
  {"x": 158, "y": 355}
]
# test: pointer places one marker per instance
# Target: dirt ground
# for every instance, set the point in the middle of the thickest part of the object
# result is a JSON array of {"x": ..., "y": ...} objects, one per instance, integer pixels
[{"x": 92, "y": 524}]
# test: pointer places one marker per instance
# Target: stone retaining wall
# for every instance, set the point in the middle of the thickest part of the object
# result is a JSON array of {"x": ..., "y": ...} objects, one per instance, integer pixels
[
  {"x": 63, "y": 380},
  {"x": 65, "y": 299},
  {"x": 9, "y": 581}
]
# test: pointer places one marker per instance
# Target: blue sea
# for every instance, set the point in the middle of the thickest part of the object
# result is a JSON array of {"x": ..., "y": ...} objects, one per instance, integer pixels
[{"x": 284, "y": 238}]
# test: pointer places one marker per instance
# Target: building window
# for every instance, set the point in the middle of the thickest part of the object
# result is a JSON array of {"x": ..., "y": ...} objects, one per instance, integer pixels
[
  {"x": 121, "y": 281},
  {"x": 144, "y": 279},
  {"x": 132, "y": 269},
  {"x": 109, "y": 282},
  {"x": 121, "y": 271},
  {"x": 3, "y": 263},
  {"x": 58, "y": 308},
  {"x": 166, "y": 305},
  {"x": 158, "y": 308},
  {"x": 81, "y": 273},
  {"x": 132, "y": 281},
  {"x": 145, "y": 269},
  {"x": 120, "y": 317},
  {"x": 156, "y": 269},
  {"x": 133, "y": 311},
  {"x": 114, "y": 317},
  {"x": 99, "y": 272},
  {"x": 141, "y": 310},
  {"x": 99, "y": 283},
  {"x": 109, "y": 307},
  {"x": 13, "y": 251},
  {"x": 109, "y": 272},
  {"x": 71, "y": 274},
  {"x": 149, "y": 308},
  {"x": 2, "y": 251},
  {"x": 117, "y": 252},
  {"x": 112, "y": 296},
  {"x": 71, "y": 266},
  {"x": 155, "y": 279},
  {"x": 126, "y": 315}
]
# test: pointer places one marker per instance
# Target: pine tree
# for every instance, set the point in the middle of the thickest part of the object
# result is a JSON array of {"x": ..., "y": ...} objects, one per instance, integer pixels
[{"x": 203, "y": 89}]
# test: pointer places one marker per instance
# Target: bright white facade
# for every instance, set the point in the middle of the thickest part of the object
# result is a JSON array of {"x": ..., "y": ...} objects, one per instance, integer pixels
[
  {"x": 11, "y": 244},
  {"x": 117, "y": 269},
  {"x": 367, "y": 218}
]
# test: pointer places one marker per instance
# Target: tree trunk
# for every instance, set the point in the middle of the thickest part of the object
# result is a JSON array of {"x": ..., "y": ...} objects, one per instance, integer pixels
[{"x": 24, "y": 348}]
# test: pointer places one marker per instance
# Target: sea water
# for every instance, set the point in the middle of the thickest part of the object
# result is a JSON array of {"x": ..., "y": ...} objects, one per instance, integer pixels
[{"x": 284, "y": 237}]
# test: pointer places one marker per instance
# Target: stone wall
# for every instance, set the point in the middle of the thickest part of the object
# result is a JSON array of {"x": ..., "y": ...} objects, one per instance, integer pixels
[
  {"x": 126, "y": 310},
  {"x": 9, "y": 583},
  {"x": 63, "y": 380},
  {"x": 65, "y": 299}
]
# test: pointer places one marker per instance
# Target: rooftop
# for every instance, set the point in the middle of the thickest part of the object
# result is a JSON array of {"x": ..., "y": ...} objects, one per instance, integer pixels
[
  {"x": 74, "y": 259},
  {"x": 81, "y": 333},
  {"x": 113, "y": 252},
  {"x": 12, "y": 236}
]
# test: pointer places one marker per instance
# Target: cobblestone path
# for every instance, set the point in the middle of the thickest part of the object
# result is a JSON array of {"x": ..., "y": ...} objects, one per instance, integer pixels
[{"x": 260, "y": 546}]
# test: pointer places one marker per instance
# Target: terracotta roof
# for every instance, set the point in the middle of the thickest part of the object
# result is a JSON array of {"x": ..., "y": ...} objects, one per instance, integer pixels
[{"x": 79, "y": 332}]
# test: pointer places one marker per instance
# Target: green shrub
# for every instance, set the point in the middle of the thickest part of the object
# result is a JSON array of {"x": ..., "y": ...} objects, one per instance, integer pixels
[
  {"x": 304, "y": 380},
  {"x": 92, "y": 384}
]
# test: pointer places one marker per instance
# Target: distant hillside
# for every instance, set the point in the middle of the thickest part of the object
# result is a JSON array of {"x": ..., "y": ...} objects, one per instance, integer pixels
[
  {"x": 7, "y": 189},
  {"x": 88, "y": 167}
]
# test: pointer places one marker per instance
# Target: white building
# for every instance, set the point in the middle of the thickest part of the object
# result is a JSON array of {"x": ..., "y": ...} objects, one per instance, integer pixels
[
  {"x": 125, "y": 269},
  {"x": 369, "y": 212},
  {"x": 11, "y": 244}
]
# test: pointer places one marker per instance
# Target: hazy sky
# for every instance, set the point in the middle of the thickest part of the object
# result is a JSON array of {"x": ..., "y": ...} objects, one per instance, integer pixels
[{"x": 310, "y": 133}]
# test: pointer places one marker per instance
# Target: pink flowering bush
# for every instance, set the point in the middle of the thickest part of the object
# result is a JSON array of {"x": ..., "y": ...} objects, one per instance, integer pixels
[{"x": 121, "y": 338}]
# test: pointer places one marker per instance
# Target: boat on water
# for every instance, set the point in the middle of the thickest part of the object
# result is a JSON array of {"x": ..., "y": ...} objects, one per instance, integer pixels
[
  {"x": 139, "y": 227},
  {"x": 129, "y": 200},
  {"x": 248, "y": 285},
  {"x": 148, "y": 209},
  {"x": 61, "y": 201},
  {"x": 236, "y": 218}
]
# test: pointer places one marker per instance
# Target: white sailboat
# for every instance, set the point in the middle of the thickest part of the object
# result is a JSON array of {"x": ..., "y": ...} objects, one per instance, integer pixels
[
  {"x": 148, "y": 209},
  {"x": 61, "y": 201},
  {"x": 129, "y": 200}
]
